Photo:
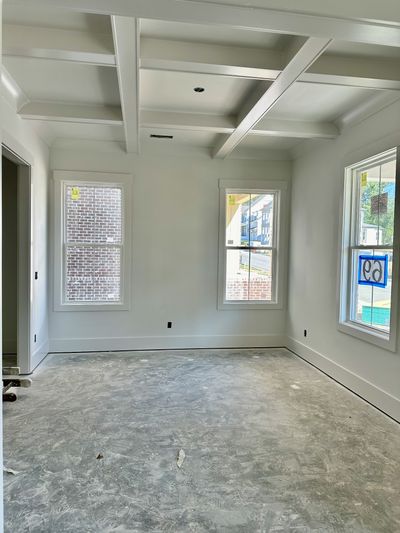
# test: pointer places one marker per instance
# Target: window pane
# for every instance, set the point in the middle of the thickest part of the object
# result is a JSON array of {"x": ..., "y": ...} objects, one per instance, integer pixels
[
  {"x": 261, "y": 219},
  {"x": 368, "y": 221},
  {"x": 260, "y": 275},
  {"x": 362, "y": 294},
  {"x": 93, "y": 274},
  {"x": 386, "y": 202},
  {"x": 376, "y": 213},
  {"x": 371, "y": 303},
  {"x": 93, "y": 214},
  {"x": 381, "y": 298},
  {"x": 237, "y": 275},
  {"x": 237, "y": 219}
]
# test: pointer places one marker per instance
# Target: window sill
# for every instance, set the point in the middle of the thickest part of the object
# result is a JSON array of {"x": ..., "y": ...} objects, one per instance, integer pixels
[
  {"x": 385, "y": 341},
  {"x": 79, "y": 307},
  {"x": 242, "y": 306}
]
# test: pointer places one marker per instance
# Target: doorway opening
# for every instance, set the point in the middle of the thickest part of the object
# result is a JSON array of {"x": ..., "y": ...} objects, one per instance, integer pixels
[{"x": 16, "y": 261}]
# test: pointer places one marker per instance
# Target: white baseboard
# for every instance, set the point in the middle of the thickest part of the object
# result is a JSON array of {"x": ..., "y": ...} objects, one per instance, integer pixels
[
  {"x": 166, "y": 343},
  {"x": 39, "y": 354},
  {"x": 371, "y": 393}
]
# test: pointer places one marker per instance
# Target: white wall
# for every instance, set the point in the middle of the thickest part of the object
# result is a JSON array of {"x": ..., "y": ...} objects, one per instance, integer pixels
[
  {"x": 10, "y": 260},
  {"x": 316, "y": 193},
  {"x": 175, "y": 257},
  {"x": 21, "y": 138}
]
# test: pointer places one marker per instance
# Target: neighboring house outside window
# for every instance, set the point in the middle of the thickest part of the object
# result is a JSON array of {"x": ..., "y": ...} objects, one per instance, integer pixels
[
  {"x": 251, "y": 264},
  {"x": 92, "y": 240}
]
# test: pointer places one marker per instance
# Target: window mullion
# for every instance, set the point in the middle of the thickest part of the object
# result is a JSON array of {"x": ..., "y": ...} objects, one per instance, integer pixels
[{"x": 95, "y": 244}]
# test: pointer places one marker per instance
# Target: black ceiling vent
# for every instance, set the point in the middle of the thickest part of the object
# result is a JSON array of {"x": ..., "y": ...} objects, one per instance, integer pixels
[{"x": 157, "y": 136}]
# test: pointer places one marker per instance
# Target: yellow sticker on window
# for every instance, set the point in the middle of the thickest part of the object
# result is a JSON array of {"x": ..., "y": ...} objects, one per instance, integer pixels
[
  {"x": 231, "y": 199},
  {"x": 364, "y": 176},
  {"x": 75, "y": 193}
]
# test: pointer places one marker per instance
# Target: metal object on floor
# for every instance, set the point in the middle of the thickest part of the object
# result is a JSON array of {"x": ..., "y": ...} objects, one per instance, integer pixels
[{"x": 11, "y": 379}]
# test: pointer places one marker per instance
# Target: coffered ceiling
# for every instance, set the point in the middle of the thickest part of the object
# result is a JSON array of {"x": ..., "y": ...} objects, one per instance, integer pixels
[{"x": 223, "y": 78}]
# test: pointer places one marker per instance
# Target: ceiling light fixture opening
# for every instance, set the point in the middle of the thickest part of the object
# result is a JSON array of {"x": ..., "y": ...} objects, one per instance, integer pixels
[{"x": 199, "y": 89}]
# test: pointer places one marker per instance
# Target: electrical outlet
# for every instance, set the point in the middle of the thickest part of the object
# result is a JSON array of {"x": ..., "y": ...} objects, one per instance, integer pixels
[
  {"x": 169, "y": 325},
  {"x": 36, "y": 275},
  {"x": 305, "y": 333},
  {"x": 34, "y": 338}
]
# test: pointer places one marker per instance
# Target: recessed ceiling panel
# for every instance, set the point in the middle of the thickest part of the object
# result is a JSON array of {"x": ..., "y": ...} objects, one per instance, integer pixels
[
  {"x": 64, "y": 82},
  {"x": 317, "y": 102},
  {"x": 269, "y": 142},
  {"x": 387, "y": 10},
  {"x": 55, "y": 18},
  {"x": 174, "y": 91},
  {"x": 212, "y": 34},
  {"x": 193, "y": 138},
  {"x": 96, "y": 132}
]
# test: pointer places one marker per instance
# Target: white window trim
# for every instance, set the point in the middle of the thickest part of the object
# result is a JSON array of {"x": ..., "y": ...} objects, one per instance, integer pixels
[
  {"x": 345, "y": 325},
  {"x": 280, "y": 235},
  {"x": 61, "y": 178}
]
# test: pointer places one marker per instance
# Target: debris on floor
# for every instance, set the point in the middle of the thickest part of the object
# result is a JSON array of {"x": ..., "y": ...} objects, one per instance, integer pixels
[
  {"x": 10, "y": 471},
  {"x": 100, "y": 456},
  {"x": 180, "y": 459}
]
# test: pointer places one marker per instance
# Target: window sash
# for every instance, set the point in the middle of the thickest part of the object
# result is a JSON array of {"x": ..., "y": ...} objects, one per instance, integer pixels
[
  {"x": 273, "y": 277},
  {"x": 273, "y": 247},
  {"x": 93, "y": 184},
  {"x": 356, "y": 197},
  {"x": 352, "y": 302},
  {"x": 91, "y": 244},
  {"x": 351, "y": 236},
  {"x": 355, "y": 236}
]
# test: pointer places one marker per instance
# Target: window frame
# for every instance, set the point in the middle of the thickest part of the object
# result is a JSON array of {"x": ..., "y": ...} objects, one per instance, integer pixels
[
  {"x": 278, "y": 188},
  {"x": 62, "y": 178},
  {"x": 349, "y": 225}
]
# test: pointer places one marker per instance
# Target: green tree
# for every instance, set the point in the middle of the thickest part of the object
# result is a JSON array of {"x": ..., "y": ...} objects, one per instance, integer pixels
[{"x": 383, "y": 220}]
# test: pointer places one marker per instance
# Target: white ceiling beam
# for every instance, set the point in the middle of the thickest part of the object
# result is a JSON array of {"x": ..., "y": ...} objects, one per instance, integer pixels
[
  {"x": 244, "y": 17},
  {"x": 187, "y": 121},
  {"x": 80, "y": 114},
  {"x": 112, "y": 116},
  {"x": 227, "y": 124},
  {"x": 56, "y": 44},
  {"x": 256, "y": 63},
  {"x": 355, "y": 71},
  {"x": 185, "y": 56},
  {"x": 126, "y": 44},
  {"x": 300, "y": 62},
  {"x": 11, "y": 91},
  {"x": 295, "y": 129},
  {"x": 367, "y": 109}
]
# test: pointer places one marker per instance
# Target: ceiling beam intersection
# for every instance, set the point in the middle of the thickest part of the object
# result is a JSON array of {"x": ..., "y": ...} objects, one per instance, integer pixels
[{"x": 299, "y": 63}]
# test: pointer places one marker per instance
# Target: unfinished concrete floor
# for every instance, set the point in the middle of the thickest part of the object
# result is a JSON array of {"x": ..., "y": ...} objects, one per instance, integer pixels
[{"x": 271, "y": 445}]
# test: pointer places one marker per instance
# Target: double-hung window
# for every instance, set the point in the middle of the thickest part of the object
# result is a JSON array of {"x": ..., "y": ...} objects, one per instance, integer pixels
[
  {"x": 92, "y": 240},
  {"x": 250, "y": 262},
  {"x": 369, "y": 264}
]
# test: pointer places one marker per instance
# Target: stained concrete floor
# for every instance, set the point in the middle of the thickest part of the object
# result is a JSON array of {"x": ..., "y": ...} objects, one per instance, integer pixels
[{"x": 271, "y": 445}]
